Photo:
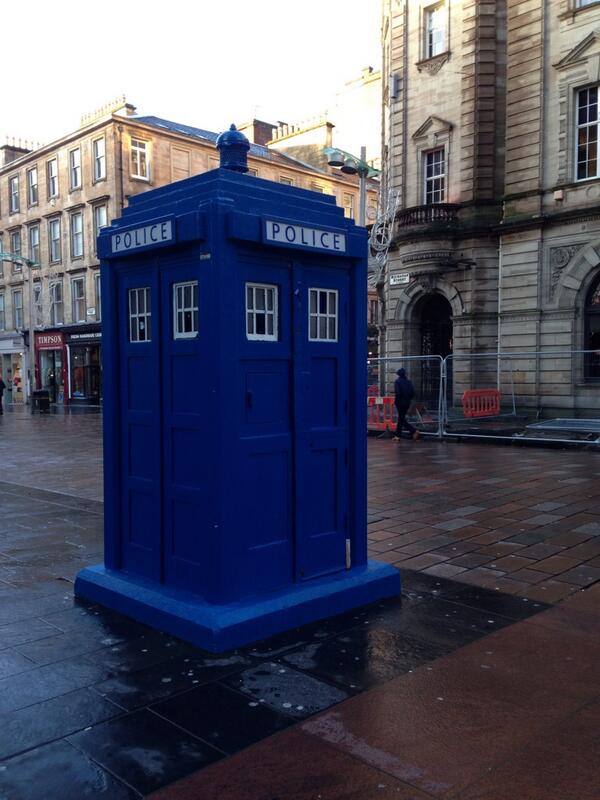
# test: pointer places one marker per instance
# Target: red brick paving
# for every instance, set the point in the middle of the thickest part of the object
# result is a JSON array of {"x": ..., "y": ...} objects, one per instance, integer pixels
[{"x": 524, "y": 520}]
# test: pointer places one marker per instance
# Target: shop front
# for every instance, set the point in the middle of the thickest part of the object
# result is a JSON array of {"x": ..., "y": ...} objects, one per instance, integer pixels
[
  {"x": 84, "y": 368},
  {"x": 12, "y": 368},
  {"x": 51, "y": 367}
]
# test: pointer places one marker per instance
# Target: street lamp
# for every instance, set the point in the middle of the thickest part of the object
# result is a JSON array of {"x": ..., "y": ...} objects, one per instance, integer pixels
[
  {"x": 31, "y": 352},
  {"x": 351, "y": 165}
]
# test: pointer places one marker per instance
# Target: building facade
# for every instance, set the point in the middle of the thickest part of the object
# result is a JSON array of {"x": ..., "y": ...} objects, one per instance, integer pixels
[
  {"x": 53, "y": 201},
  {"x": 490, "y": 131}
]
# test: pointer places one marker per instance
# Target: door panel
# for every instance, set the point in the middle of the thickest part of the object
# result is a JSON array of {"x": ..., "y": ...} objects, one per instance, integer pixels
[
  {"x": 321, "y": 421},
  {"x": 140, "y": 437}
]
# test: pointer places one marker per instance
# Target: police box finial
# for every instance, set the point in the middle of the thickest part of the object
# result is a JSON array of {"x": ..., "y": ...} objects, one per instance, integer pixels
[{"x": 233, "y": 148}]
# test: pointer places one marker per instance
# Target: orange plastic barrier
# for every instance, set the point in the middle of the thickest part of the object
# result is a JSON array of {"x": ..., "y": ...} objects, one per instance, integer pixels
[
  {"x": 481, "y": 403},
  {"x": 381, "y": 414}
]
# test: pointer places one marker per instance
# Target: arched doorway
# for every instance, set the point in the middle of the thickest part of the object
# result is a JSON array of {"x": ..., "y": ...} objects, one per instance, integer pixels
[
  {"x": 436, "y": 340},
  {"x": 592, "y": 332}
]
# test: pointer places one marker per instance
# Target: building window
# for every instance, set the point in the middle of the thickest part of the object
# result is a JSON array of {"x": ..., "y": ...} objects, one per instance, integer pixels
[
  {"x": 100, "y": 221},
  {"x": 34, "y": 243},
  {"x": 15, "y": 249},
  {"x": 185, "y": 310},
  {"x": 52, "y": 175},
  {"x": 587, "y": 133},
  {"x": 13, "y": 194},
  {"x": 78, "y": 299},
  {"x": 37, "y": 303},
  {"x": 434, "y": 173},
  {"x": 2, "y": 314},
  {"x": 99, "y": 149},
  {"x": 348, "y": 205},
  {"x": 77, "y": 235},
  {"x": 139, "y": 160},
  {"x": 54, "y": 239},
  {"x": 261, "y": 311},
  {"x": 17, "y": 296},
  {"x": 140, "y": 316},
  {"x": 315, "y": 187},
  {"x": 32, "y": 186},
  {"x": 252, "y": 171},
  {"x": 323, "y": 315},
  {"x": 435, "y": 31},
  {"x": 56, "y": 303},
  {"x": 75, "y": 168},
  {"x": 98, "y": 296},
  {"x": 583, "y": 3},
  {"x": 286, "y": 181},
  {"x": 592, "y": 333}
]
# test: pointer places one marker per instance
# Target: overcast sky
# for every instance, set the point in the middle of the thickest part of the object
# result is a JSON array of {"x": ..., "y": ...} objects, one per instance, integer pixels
[{"x": 205, "y": 63}]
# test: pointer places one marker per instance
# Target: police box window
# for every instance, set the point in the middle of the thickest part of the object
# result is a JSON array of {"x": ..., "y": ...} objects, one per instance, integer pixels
[
  {"x": 140, "y": 321},
  {"x": 261, "y": 311},
  {"x": 185, "y": 310},
  {"x": 323, "y": 315}
]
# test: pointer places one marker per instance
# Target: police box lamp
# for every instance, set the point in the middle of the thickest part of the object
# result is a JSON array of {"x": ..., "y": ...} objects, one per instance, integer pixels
[{"x": 233, "y": 149}]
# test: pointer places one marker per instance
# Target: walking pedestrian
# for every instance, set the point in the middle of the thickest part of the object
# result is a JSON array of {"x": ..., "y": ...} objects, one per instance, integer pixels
[
  {"x": 404, "y": 392},
  {"x": 2, "y": 388}
]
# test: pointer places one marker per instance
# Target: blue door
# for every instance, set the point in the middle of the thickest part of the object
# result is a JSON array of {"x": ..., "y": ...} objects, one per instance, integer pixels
[
  {"x": 139, "y": 382},
  {"x": 321, "y": 347},
  {"x": 187, "y": 421}
]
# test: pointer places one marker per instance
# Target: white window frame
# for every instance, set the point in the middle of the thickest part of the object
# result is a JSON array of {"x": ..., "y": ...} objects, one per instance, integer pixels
[
  {"x": 17, "y": 309},
  {"x": 75, "y": 168},
  {"x": 57, "y": 303},
  {"x": 327, "y": 316},
  {"x": 13, "y": 194},
  {"x": 436, "y": 30},
  {"x": 348, "y": 206},
  {"x": 99, "y": 156},
  {"x": 52, "y": 177},
  {"x": 98, "y": 295},
  {"x": 15, "y": 236},
  {"x": 76, "y": 234},
  {"x": 590, "y": 129},
  {"x": 33, "y": 238},
  {"x": 140, "y": 159},
  {"x": 2, "y": 313},
  {"x": 78, "y": 299},
  {"x": 32, "y": 186},
  {"x": 253, "y": 312},
  {"x": 54, "y": 242},
  {"x": 180, "y": 309},
  {"x": 37, "y": 302},
  {"x": 286, "y": 180},
  {"x": 429, "y": 180},
  {"x": 585, "y": 3},
  {"x": 97, "y": 226},
  {"x": 137, "y": 317}
]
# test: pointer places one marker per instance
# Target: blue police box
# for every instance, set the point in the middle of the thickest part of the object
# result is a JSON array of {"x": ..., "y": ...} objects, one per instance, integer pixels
[{"x": 234, "y": 347}]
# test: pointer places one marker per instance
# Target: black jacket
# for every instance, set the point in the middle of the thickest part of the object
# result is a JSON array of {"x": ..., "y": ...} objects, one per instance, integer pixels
[
  {"x": 404, "y": 392},
  {"x": 2, "y": 387}
]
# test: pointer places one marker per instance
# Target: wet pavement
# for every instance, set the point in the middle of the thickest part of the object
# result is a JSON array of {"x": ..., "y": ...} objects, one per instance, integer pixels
[{"x": 458, "y": 689}]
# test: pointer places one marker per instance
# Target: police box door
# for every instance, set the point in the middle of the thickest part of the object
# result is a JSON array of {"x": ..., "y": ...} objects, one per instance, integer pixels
[
  {"x": 321, "y": 388},
  {"x": 166, "y": 480}
]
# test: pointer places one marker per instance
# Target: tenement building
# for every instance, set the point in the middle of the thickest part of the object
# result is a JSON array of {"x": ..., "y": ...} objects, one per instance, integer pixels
[
  {"x": 53, "y": 201},
  {"x": 491, "y": 128}
]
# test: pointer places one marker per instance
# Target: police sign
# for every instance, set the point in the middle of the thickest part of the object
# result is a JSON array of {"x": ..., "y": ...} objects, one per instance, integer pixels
[
  {"x": 159, "y": 233},
  {"x": 302, "y": 236}
]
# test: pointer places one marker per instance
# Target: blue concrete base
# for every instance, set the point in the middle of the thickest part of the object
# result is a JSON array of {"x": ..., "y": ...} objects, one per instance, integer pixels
[{"x": 224, "y": 627}]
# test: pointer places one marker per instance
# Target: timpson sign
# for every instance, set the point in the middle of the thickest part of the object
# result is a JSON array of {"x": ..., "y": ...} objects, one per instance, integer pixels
[{"x": 48, "y": 341}]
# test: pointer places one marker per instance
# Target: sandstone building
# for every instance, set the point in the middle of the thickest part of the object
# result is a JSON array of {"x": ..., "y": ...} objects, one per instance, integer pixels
[
  {"x": 490, "y": 121},
  {"x": 53, "y": 201}
]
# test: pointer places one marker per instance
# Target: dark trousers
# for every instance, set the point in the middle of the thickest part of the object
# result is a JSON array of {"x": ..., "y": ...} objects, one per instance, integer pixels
[
  {"x": 402, "y": 423},
  {"x": 1, "y": 409}
]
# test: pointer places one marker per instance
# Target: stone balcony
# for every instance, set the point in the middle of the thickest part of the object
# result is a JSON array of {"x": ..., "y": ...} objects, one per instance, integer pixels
[{"x": 439, "y": 217}]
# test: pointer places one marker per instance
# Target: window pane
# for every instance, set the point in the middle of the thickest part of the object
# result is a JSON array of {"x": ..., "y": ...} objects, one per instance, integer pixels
[
  {"x": 313, "y": 301},
  {"x": 260, "y": 324}
]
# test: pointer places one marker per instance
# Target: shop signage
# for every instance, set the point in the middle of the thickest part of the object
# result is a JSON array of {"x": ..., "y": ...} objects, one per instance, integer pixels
[
  {"x": 146, "y": 236},
  {"x": 48, "y": 341},
  {"x": 76, "y": 336},
  {"x": 399, "y": 278},
  {"x": 301, "y": 236}
]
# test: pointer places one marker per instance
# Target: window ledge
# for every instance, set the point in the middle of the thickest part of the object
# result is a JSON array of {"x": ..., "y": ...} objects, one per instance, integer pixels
[
  {"x": 572, "y": 12},
  {"x": 433, "y": 65}
]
